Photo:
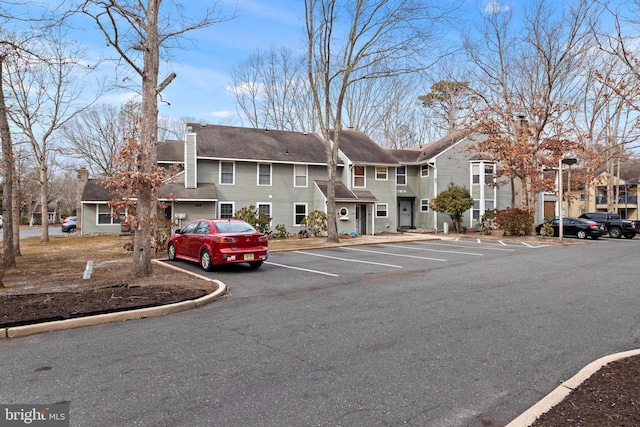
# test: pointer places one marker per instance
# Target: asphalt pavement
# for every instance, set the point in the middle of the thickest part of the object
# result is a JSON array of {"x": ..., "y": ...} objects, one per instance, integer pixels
[{"x": 455, "y": 333}]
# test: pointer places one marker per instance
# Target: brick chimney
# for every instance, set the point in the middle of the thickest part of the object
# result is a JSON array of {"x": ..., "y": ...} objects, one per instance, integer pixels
[{"x": 83, "y": 177}]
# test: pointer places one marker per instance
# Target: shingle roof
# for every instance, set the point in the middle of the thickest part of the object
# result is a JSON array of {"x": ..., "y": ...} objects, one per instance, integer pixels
[
  {"x": 171, "y": 151},
  {"x": 405, "y": 156},
  {"x": 630, "y": 171},
  {"x": 229, "y": 142},
  {"x": 343, "y": 194},
  {"x": 432, "y": 149},
  {"x": 361, "y": 149},
  {"x": 95, "y": 191},
  {"x": 205, "y": 191}
]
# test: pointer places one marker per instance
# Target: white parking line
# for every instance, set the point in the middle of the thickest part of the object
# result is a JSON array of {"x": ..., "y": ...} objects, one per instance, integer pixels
[
  {"x": 347, "y": 260},
  {"x": 435, "y": 250},
  {"x": 484, "y": 247},
  {"x": 395, "y": 255},
  {"x": 301, "y": 269}
]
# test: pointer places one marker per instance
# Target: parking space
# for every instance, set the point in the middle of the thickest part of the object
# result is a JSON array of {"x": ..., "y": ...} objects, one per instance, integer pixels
[{"x": 322, "y": 268}]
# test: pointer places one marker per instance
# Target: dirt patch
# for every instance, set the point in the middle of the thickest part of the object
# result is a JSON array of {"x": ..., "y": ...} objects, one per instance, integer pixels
[{"x": 48, "y": 282}]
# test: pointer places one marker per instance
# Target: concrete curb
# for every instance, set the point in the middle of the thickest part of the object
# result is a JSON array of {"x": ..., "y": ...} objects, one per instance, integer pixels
[
  {"x": 562, "y": 391},
  {"x": 22, "y": 331}
]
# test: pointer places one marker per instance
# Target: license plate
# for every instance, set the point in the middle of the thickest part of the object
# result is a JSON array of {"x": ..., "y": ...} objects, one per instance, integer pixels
[{"x": 248, "y": 256}]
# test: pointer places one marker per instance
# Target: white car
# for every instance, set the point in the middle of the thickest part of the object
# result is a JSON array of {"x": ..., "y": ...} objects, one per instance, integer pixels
[{"x": 0, "y": 221}]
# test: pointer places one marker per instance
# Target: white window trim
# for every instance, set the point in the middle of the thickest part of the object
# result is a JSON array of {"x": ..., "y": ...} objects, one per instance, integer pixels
[
  {"x": 98, "y": 223},
  {"x": 404, "y": 174},
  {"x": 233, "y": 208},
  {"x": 422, "y": 169},
  {"x": 258, "y": 174},
  {"x": 386, "y": 173},
  {"x": 422, "y": 206},
  {"x": 364, "y": 177},
  {"x": 233, "y": 174},
  {"x": 306, "y": 176},
  {"x": 386, "y": 205},
  {"x": 306, "y": 212}
]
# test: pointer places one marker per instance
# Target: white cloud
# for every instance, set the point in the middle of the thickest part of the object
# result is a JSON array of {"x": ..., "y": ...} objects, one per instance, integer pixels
[{"x": 494, "y": 6}]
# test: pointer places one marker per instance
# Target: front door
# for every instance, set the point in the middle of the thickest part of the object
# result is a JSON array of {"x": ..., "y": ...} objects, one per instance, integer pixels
[
  {"x": 361, "y": 219},
  {"x": 405, "y": 213}
]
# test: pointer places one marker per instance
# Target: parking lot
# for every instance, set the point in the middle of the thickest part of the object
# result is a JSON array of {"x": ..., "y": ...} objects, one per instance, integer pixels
[
  {"x": 445, "y": 333},
  {"x": 296, "y": 270}
]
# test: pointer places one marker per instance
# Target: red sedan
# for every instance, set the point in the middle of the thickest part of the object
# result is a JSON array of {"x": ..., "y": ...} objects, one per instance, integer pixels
[{"x": 213, "y": 242}]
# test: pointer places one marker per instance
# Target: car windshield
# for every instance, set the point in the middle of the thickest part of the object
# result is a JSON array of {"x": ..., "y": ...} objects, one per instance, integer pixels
[{"x": 234, "y": 227}]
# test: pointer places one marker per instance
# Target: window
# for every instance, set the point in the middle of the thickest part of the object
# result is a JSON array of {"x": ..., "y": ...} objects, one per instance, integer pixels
[
  {"x": 358, "y": 176},
  {"x": 105, "y": 215},
  {"x": 424, "y": 171},
  {"x": 226, "y": 210},
  {"x": 189, "y": 229},
  {"x": 476, "y": 210},
  {"x": 382, "y": 210},
  {"x": 475, "y": 173},
  {"x": 227, "y": 173},
  {"x": 264, "y": 174},
  {"x": 488, "y": 173},
  {"x": 265, "y": 209},
  {"x": 424, "y": 205},
  {"x": 401, "y": 175},
  {"x": 300, "y": 173},
  {"x": 203, "y": 228},
  {"x": 382, "y": 173},
  {"x": 300, "y": 211}
]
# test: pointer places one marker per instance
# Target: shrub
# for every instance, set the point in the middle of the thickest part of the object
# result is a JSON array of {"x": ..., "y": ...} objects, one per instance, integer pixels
[
  {"x": 486, "y": 223},
  {"x": 316, "y": 222},
  {"x": 454, "y": 201},
  {"x": 514, "y": 221},
  {"x": 253, "y": 216},
  {"x": 281, "y": 232}
]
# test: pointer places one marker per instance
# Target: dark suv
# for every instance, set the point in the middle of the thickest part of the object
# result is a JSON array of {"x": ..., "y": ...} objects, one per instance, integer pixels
[{"x": 612, "y": 224}]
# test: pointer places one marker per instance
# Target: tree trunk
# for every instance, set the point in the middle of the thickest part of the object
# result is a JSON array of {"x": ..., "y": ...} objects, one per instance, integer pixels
[
  {"x": 44, "y": 205},
  {"x": 8, "y": 166},
  {"x": 146, "y": 205}
]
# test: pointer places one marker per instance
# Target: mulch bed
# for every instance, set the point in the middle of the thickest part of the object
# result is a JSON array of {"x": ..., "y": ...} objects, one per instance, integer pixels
[
  {"x": 609, "y": 398},
  {"x": 25, "y": 309}
]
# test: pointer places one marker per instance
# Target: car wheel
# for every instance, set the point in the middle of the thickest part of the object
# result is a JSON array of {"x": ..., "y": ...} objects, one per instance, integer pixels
[
  {"x": 582, "y": 234},
  {"x": 171, "y": 252},
  {"x": 543, "y": 232},
  {"x": 205, "y": 260},
  {"x": 72, "y": 230},
  {"x": 615, "y": 232},
  {"x": 256, "y": 264}
]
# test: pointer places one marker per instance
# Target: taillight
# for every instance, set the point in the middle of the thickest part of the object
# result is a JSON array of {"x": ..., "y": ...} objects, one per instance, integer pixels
[
  {"x": 262, "y": 239},
  {"x": 228, "y": 240},
  {"x": 594, "y": 226}
]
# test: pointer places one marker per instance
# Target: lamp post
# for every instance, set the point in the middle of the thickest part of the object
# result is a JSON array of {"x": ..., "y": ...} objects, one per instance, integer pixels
[{"x": 569, "y": 162}]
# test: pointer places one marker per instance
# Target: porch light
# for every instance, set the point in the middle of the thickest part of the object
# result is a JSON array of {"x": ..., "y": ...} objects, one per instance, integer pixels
[{"x": 569, "y": 161}]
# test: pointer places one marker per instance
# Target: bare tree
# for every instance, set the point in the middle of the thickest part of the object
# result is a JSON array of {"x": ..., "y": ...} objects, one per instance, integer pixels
[
  {"x": 45, "y": 94},
  {"x": 532, "y": 77},
  {"x": 272, "y": 91},
  {"x": 381, "y": 39},
  {"x": 96, "y": 136},
  {"x": 138, "y": 31}
]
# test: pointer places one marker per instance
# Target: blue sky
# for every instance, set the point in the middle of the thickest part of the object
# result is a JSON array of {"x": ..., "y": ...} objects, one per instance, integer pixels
[{"x": 200, "y": 90}]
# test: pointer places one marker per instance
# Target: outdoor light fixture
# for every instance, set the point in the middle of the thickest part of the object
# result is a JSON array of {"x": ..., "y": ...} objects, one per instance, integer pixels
[{"x": 570, "y": 161}]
